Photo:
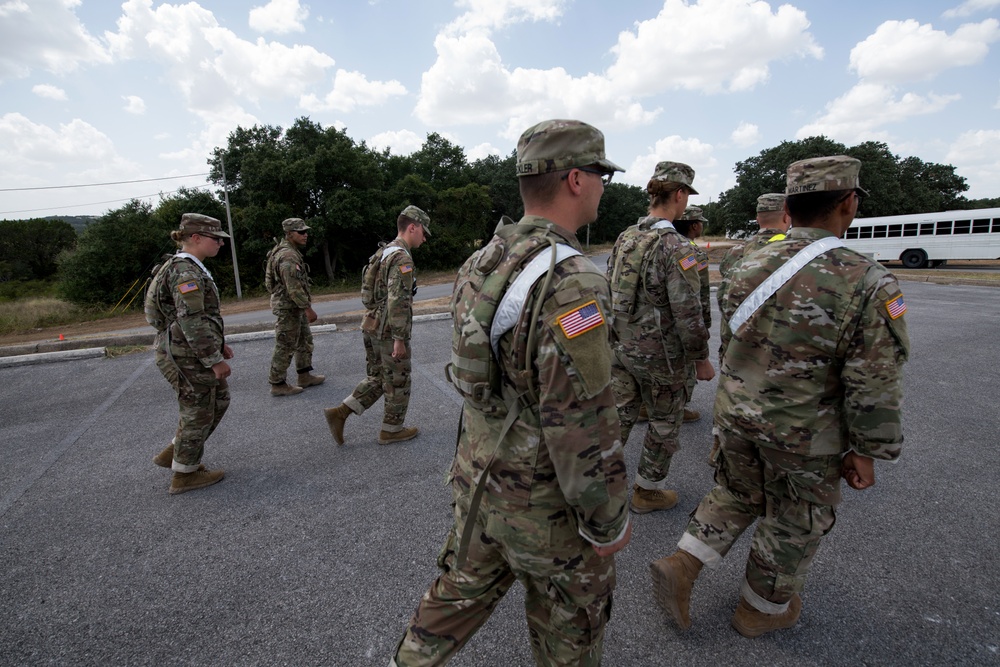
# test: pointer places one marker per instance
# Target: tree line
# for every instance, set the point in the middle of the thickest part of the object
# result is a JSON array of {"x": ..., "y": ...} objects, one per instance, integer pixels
[{"x": 350, "y": 194}]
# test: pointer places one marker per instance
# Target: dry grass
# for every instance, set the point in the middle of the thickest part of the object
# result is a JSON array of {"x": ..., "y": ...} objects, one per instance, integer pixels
[{"x": 39, "y": 313}]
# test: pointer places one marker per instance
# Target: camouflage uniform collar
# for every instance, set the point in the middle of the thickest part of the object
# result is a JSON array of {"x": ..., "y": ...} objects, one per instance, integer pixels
[
  {"x": 544, "y": 223},
  {"x": 398, "y": 242},
  {"x": 811, "y": 233},
  {"x": 187, "y": 255},
  {"x": 645, "y": 224},
  {"x": 288, "y": 244}
]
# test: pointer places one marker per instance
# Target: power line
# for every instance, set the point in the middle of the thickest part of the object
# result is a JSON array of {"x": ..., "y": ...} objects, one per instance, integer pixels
[
  {"x": 97, "y": 203},
  {"x": 91, "y": 185}
]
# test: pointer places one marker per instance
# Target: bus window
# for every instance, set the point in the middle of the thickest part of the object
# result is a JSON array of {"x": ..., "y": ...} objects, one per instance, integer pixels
[
  {"x": 944, "y": 227},
  {"x": 909, "y": 229},
  {"x": 981, "y": 226},
  {"x": 926, "y": 228},
  {"x": 852, "y": 232},
  {"x": 865, "y": 233},
  {"x": 879, "y": 231},
  {"x": 962, "y": 226},
  {"x": 996, "y": 224},
  {"x": 895, "y": 231}
]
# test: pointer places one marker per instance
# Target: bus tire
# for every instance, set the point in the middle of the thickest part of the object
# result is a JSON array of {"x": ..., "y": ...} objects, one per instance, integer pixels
[{"x": 914, "y": 259}]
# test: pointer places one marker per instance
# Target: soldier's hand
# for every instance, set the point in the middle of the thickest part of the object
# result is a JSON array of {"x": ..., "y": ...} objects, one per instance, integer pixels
[
  {"x": 703, "y": 370},
  {"x": 311, "y": 315},
  {"x": 398, "y": 349},
  {"x": 858, "y": 471},
  {"x": 617, "y": 546},
  {"x": 221, "y": 370},
  {"x": 227, "y": 352}
]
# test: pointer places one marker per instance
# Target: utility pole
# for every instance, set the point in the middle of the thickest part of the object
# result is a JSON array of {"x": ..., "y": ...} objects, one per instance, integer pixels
[{"x": 229, "y": 218}]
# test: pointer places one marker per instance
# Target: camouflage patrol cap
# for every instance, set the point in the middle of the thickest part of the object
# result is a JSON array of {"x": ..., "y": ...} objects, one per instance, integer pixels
[
  {"x": 196, "y": 223},
  {"x": 417, "y": 215},
  {"x": 772, "y": 201},
  {"x": 294, "y": 225},
  {"x": 824, "y": 174},
  {"x": 674, "y": 172},
  {"x": 556, "y": 145},
  {"x": 693, "y": 213}
]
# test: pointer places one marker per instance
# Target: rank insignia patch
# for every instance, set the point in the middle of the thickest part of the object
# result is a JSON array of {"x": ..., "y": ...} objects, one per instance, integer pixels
[
  {"x": 581, "y": 320},
  {"x": 895, "y": 307}
]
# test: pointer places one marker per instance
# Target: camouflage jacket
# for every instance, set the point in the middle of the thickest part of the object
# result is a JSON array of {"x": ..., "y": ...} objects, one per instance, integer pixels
[
  {"x": 817, "y": 370},
  {"x": 189, "y": 299},
  {"x": 287, "y": 278},
  {"x": 396, "y": 278},
  {"x": 563, "y": 452},
  {"x": 705, "y": 288},
  {"x": 735, "y": 254},
  {"x": 666, "y": 330}
]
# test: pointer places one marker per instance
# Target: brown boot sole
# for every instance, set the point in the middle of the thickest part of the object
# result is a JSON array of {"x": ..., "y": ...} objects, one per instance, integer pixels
[
  {"x": 665, "y": 592},
  {"x": 393, "y": 441},
  {"x": 772, "y": 623},
  {"x": 175, "y": 491},
  {"x": 331, "y": 421}
]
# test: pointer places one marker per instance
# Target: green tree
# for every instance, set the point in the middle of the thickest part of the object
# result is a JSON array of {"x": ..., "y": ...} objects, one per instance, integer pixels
[
  {"x": 29, "y": 249},
  {"x": 500, "y": 176},
  {"x": 621, "y": 206}
]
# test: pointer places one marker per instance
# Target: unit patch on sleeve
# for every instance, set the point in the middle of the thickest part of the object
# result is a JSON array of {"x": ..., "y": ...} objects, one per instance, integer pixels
[
  {"x": 190, "y": 286},
  {"x": 689, "y": 261},
  {"x": 581, "y": 319},
  {"x": 895, "y": 306}
]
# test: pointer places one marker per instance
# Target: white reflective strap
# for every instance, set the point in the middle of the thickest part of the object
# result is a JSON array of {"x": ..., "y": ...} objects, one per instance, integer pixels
[
  {"x": 662, "y": 224},
  {"x": 512, "y": 303},
  {"x": 774, "y": 282},
  {"x": 388, "y": 251}
]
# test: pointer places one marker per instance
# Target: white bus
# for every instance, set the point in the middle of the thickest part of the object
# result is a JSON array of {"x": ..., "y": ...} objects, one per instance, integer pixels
[{"x": 928, "y": 239}]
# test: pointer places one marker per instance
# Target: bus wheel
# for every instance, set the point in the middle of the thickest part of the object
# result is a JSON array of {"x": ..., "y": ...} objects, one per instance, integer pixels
[{"x": 914, "y": 259}]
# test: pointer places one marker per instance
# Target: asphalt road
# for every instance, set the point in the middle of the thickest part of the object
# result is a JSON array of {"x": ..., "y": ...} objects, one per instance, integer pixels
[{"x": 313, "y": 554}]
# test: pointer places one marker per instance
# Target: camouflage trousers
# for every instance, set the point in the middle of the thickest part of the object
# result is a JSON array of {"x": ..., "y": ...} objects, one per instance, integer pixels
[
  {"x": 664, "y": 403},
  {"x": 203, "y": 401},
  {"x": 793, "y": 499},
  {"x": 291, "y": 337},
  {"x": 385, "y": 375},
  {"x": 568, "y": 587}
]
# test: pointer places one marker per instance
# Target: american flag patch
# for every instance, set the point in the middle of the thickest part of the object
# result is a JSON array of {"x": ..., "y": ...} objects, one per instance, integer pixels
[
  {"x": 191, "y": 286},
  {"x": 406, "y": 268},
  {"x": 895, "y": 307},
  {"x": 688, "y": 262},
  {"x": 703, "y": 266},
  {"x": 581, "y": 320}
]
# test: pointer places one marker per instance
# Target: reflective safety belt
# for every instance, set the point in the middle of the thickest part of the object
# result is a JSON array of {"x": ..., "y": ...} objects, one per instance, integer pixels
[
  {"x": 509, "y": 311},
  {"x": 774, "y": 282}
]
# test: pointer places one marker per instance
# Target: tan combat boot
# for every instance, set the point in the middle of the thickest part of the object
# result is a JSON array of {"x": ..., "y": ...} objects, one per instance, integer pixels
[
  {"x": 285, "y": 389},
  {"x": 199, "y": 479},
  {"x": 310, "y": 380},
  {"x": 387, "y": 437},
  {"x": 673, "y": 577},
  {"x": 651, "y": 500},
  {"x": 335, "y": 418},
  {"x": 165, "y": 458},
  {"x": 691, "y": 415},
  {"x": 751, "y": 622}
]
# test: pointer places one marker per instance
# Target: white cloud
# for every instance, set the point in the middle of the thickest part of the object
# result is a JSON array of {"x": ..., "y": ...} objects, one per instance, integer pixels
[
  {"x": 25, "y": 144},
  {"x": 901, "y": 51},
  {"x": 970, "y": 7},
  {"x": 976, "y": 155},
  {"x": 351, "y": 90},
  {"x": 859, "y": 114},
  {"x": 746, "y": 134},
  {"x": 690, "y": 151},
  {"x": 279, "y": 16},
  {"x": 484, "y": 150},
  {"x": 49, "y": 92},
  {"x": 724, "y": 45},
  {"x": 402, "y": 142},
  {"x": 45, "y": 34},
  {"x": 135, "y": 104},
  {"x": 711, "y": 45}
]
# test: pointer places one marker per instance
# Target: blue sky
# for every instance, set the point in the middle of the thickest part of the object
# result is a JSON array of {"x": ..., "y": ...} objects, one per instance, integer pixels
[{"x": 98, "y": 92}]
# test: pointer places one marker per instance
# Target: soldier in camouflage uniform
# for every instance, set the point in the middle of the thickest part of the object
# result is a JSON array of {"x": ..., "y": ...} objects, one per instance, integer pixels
[
  {"x": 810, "y": 391},
  {"x": 386, "y": 331},
  {"x": 287, "y": 279},
  {"x": 658, "y": 330},
  {"x": 182, "y": 302},
  {"x": 691, "y": 225},
  {"x": 551, "y": 513},
  {"x": 774, "y": 223}
]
